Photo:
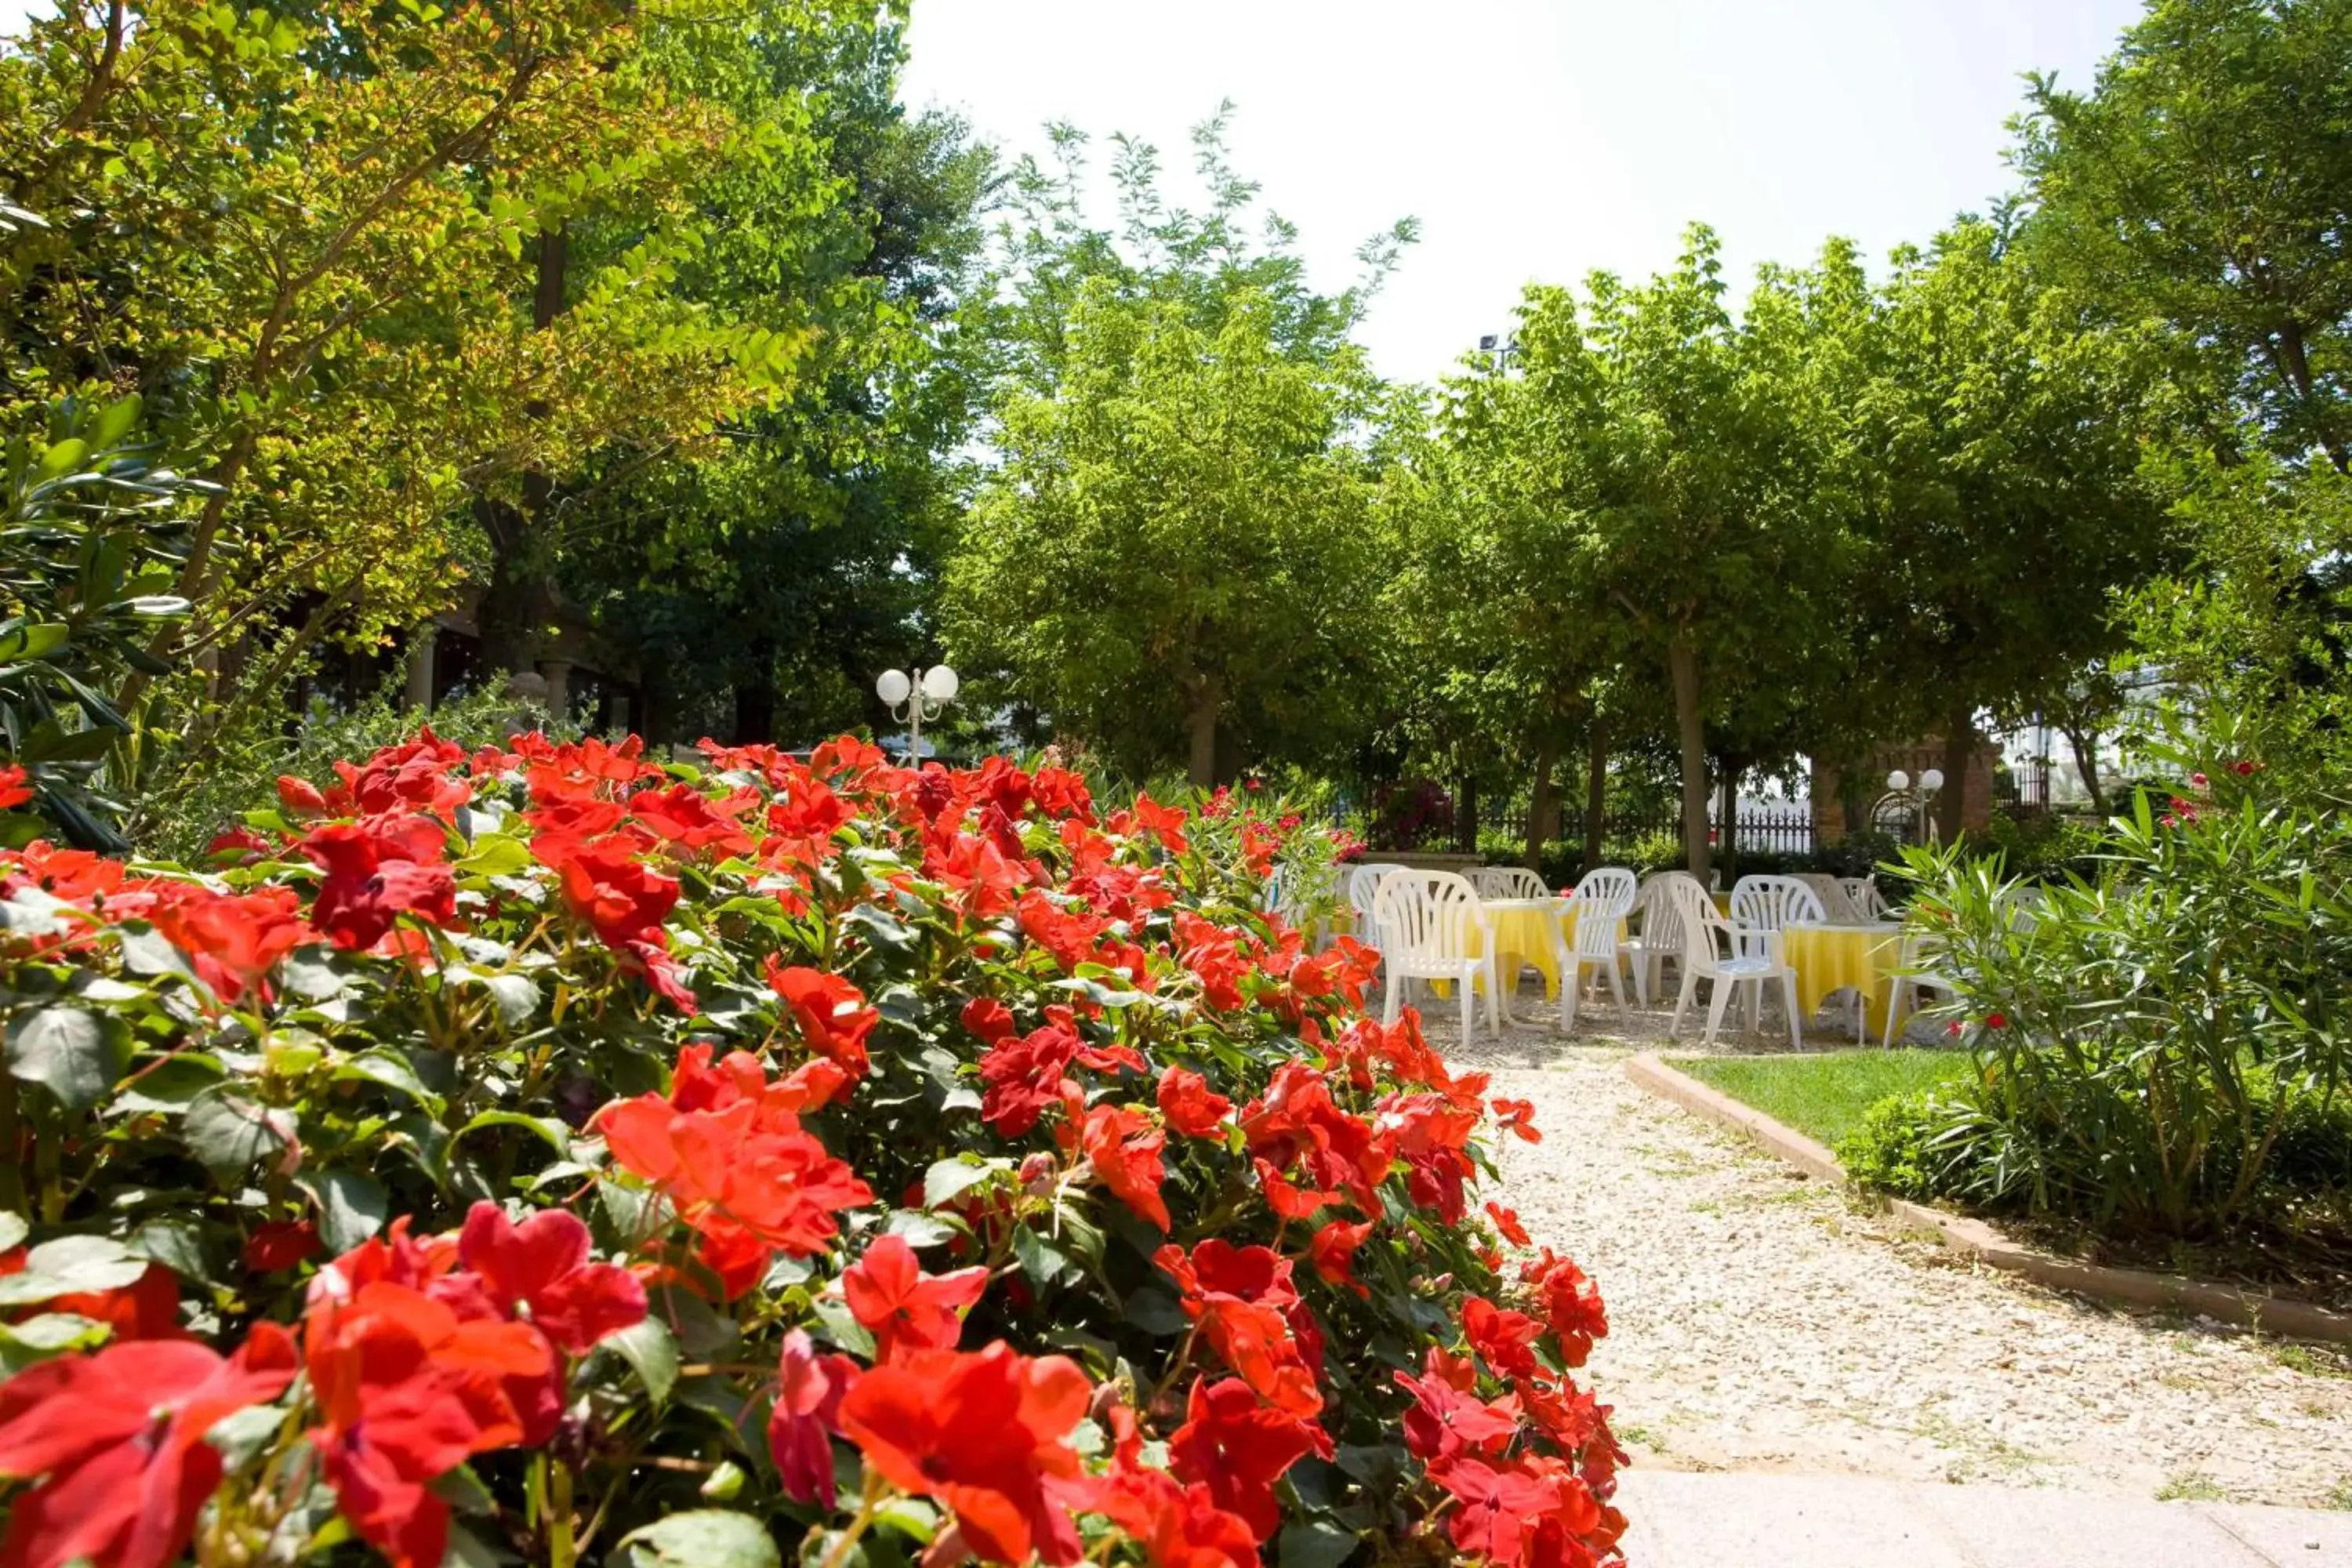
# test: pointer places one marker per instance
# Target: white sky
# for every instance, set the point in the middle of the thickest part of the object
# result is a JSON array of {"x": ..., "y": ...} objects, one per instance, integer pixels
[{"x": 1535, "y": 139}]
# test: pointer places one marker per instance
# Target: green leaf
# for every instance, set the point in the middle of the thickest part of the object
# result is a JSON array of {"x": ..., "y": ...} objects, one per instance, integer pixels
[
  {"x": 1041, "y": 1262},
  {"x": 68, "y": 1266},
  {"x": 1314, "y": 1543},
  {"x": 557, "y": 1136},
  {"x": 651, "y": 1349},
  {"x": 50, "y": 1334},
  {"x": 34, "y": 642},
  {"x": 392, "y": 1070},
  {"x": 314, "y": 974},
  {"x": 1155, "y": 1311},
  {"x": 496, "y": 855},
  {"x": 230, "y": 1133},
  {"x": 845, "y": 1330},
  {"x": 919, "y": 1229},
  {"x": 169, "y": 1085},
  {"x": 352, "y": 1206},
  {"x": 177, "y": 1244},
  {"x": 701, "y": 1537},
  {"x": 947, "y": 1178},
  {"x": 516, "y": 996},
  {"x": 76, "y": 1056}
]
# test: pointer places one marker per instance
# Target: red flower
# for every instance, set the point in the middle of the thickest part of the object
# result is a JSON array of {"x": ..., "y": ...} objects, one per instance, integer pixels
[
  {"x": 281, "y": 1243},
  {"x": 988, "y": 1019},
  {"x": 727, "y": 1150},
  {"x": 1572, "y": 1307},
  {"x": 1996, "y": 1020},
  {"x": 1447, "y": 1417},
  {"x": 1288, "y": 1200},
  {"x": 1295, "y": 1123},
  {"x": 1190, "y": 1106},
  {"x": 1333, "y": 1249},
  {"x": 378, "y": 871},
  {"x": 1178, "y": 1526},
  {"x": 1518, "y": 1116},
  {"x": 232, "y": 940},
  {"x": 1506, "y": 1221},
  {"x": 809, "y": 1389},
  {"x": 1243, "y": 1299},
  {"x": 831, "y": 1012},
  {"x": 1023, "y": 1078},
  {"x": 542, "y": 1265},
  {"x": 1124, "y": 1148},
  {"x": 118, "y": 1439},
  {"x": 1495, "y": 1506},
  {"x": 1164, "y": 822},
  {"x": 1238, "y": 1448},
  {"x": 905, "y": 1309},
  {"x": 983, "y": 1432},
  {"x": 1501, "y": 1336},
  {"x": 607, "y": 886},
  {"x": 146, "y": 1308},
  {"x": 2246, "y": 768},
  {"x": 14, "y": 789},
  {"x": 407, "y": 1390}
]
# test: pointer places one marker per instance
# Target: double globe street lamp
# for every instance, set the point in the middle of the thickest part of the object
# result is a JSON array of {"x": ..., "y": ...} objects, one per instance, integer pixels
[
  {"x": 1898, "y": 782},
  {"x": 912, "y": 699}
]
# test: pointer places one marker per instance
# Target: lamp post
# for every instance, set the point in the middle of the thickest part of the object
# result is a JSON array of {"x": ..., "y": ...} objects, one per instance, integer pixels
[
  {"x": 912, "y": 699},
  {"x": 1899, "y": 783}
]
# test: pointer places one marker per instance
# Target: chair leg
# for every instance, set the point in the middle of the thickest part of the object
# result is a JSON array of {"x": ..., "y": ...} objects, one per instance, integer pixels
[
  {"x": 1722, "y": 990},
  {"x": 1469, "y": 1011},
  {"x": 1389, "y": 1008},
  {"x": 1894, "y": 989},
  {"x": 1789, "y": 996},
  {"x": 1571, "y": 981},
  {"x": 1496, "y": 1010},
  {"x": 1682, "y": 1001},
  {"x": 1617, "y": 989}
]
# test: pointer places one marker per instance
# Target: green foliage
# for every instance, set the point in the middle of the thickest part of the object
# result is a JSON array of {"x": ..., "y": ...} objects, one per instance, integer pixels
[
  {"x": 2149, "y": 1035},
  {"x": 92, "y": 538},
  {"x": 1174, "y": 555},
  {"x": 1896, "y": 1148},
  {"x": 248, "y": 762}
]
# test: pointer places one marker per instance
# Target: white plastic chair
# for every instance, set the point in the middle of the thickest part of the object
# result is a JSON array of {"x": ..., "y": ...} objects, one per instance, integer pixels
[
  {"x": 1509, "y": 882},
  {"x": 1431, "y": 928},
  {"x": 1364, "y": 881},
  {"x": 1836, "y": 907},
  {"x": 1712, "y": 951},
  {"x": 1659, "y": 938},
  {"x": 1603, "y": 898},
  {"x": 1918, "y": 972},
  {"x": 1862, "y": 894},
  {"x": 1762, "y": 906}
]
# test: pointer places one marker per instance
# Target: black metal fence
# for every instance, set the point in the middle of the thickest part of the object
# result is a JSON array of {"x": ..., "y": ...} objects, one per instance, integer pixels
[{"x": 1772, "y": 829}]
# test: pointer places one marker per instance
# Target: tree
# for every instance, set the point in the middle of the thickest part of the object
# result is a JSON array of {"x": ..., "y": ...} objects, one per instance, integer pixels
[
  {"x": 1174, "y": 554},
  {"x": 1997, "y": 452},
  {"x": 2203, "y": 184},
  {"x": 1665, "y": 465}
]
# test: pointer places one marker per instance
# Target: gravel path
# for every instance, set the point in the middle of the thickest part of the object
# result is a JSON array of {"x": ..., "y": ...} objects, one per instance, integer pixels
[{"x": 1760, "y": 1322}]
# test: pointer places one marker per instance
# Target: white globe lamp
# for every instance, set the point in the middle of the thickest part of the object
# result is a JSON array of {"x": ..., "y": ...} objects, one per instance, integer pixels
[
  {"x": 1932, "y": 780},
  {"x": 940, "y": 684},
  {"x": 1898, "y": 781},
  {"x": 893, "y": 687}
]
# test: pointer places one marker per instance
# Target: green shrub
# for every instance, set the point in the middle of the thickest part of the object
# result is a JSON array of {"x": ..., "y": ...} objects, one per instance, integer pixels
[
  {"x": 1894, "y": 1149},
  {"x": 2158, "y": 1038}
]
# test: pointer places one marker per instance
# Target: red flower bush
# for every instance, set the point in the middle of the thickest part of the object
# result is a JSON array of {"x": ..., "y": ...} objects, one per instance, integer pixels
[{"x": 860, "y": 1154}]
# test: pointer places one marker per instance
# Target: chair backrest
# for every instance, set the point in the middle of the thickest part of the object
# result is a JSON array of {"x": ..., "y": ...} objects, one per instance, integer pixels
[
  {"x": 1430, "y": 921},
  {"x": 1835, "y": 905},
  {"x": 1362, "y": 883},
  {"x": 1706, "y": 934},
  {"x": 1662, "y": 923},
  {"x": 1292, "y": 894},
  {"x": 1768, "y": 904},
  {"x": 1604, "y": 897},
  {"x": 1509, "y": 882},
  {"x": 1863, "y": 893},
  {"x": 2021, "y": 906}
]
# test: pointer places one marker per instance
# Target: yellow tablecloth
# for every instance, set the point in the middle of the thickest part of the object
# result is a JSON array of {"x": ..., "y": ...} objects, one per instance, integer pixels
[
  {"x": 1521, "y": 931},
  {"x": 1830, "y": 958}
]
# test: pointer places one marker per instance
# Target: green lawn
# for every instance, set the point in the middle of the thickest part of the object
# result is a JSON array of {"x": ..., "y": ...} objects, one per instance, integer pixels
[{"x": 1823, "y": 1095}]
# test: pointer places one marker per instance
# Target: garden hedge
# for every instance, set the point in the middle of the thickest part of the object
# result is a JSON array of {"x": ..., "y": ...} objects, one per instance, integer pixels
[{"x": 551, "y": 1155}]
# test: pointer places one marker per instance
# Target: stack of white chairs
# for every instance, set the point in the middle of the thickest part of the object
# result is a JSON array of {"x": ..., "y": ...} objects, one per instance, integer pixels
[
  {"x": 1659, "y": 936},
  {"x": 1433, "y": 928},
  {"x": 1836, "y": 907},
  {"x": 1604, "y": 897},
  {"x": 1713, "y": 951},
  {"x": 1509, "y": 882},
  {"x": 1862, "y": 894}
]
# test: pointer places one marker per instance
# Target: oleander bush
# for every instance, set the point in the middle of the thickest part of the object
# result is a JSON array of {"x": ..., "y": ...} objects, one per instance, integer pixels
[{"x": 544, "y": 1154}]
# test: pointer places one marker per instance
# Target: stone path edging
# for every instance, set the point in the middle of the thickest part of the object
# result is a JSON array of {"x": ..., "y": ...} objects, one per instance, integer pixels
[{"x": 2135, "y": 1287}]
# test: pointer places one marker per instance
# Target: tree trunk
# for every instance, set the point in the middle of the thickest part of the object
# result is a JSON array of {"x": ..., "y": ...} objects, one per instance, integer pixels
[
  {"x": 1543, "y": 804},
  {"x": 516, "y": 605},
  {"x": 755, "y": 708},
  {"x": 1201, "y": 768},
  {"x": 2085, "y": 746},
  {"x": 1726, "y": 812},
  {"x": 1682, "y": 666},
  {"x": 1959, "y": 745},
  {"x": 1596, "y": 791},
  {"x": 1465, "y": 815}
]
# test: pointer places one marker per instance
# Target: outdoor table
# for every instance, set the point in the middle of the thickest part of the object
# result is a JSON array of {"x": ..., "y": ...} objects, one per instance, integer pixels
[
  {"x": 1831, "y": 957},
  {"x": 1521, "y": 931}
]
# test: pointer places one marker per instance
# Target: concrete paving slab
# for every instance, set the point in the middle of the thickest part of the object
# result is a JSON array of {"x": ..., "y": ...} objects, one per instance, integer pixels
[{"x": 1692, "y": 1519}]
